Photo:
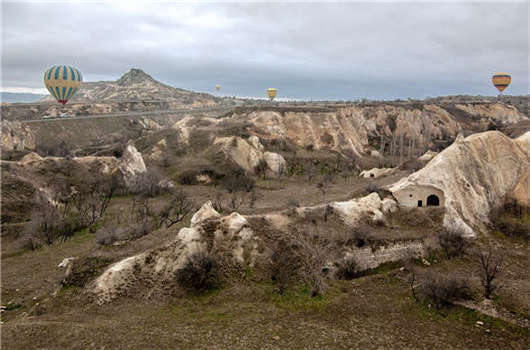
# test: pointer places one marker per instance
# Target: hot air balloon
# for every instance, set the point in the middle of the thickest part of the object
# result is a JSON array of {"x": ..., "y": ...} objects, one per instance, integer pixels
[
  {"x": 217, "y": 87},
  {"x": 501, "y": 81},
  {"x": 62, "y": 82},
  {"x": 271, "y": 92}
]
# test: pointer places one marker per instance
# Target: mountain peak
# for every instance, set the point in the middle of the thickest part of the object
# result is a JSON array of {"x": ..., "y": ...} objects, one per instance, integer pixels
[{"x": 134, "y": 76}]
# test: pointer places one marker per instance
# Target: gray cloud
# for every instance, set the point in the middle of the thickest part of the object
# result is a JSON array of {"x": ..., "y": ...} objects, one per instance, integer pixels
[{"x": 318, "y": 50}]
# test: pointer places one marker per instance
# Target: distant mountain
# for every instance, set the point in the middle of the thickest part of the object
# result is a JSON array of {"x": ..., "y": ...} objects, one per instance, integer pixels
[
  {"x": 14, "y": 97},
  {"x": 137, "y": 85}
]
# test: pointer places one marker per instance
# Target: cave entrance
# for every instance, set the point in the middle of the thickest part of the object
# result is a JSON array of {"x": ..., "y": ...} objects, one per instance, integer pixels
[{"x": 433, "y": 200}]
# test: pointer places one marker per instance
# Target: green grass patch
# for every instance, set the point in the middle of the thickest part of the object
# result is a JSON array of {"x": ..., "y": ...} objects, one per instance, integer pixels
[
  {"x": 299, "y": 299},
  {"x": 468, "y": 317},
  {"x": 10, "y": 307}
]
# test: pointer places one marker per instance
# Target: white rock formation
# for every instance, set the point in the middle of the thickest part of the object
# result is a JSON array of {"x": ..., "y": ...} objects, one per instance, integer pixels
[
  {"x": 376, "y": 172},
  {"x": 469, "y": 178},
  {"x": 427, "y": 156},
  {"x": 232, "y": 236},
  {"x": 204, "y": 213},
  {"x": 249, "y": 154},
  {"x": 131, "y": 162}
]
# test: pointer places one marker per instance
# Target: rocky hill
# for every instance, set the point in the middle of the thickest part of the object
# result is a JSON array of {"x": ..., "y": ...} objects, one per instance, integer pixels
[{"x": 137, "y": 85}]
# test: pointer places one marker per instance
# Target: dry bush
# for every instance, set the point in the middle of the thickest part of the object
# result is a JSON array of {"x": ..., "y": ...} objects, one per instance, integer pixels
[
  {"x": 512, "y": 219},
  {"x": 199, "y": 273},
  {"x": 452, "y": 243},
  {"x": 50, "y": 223},
  {"x": 108, "y": 235},
  {"x": 237, "y": 181},
  {"x": 444, "y": 290},
  {"x": 293, "y": 203},
  {"x": 176, "y": 210},
  {"x": 284, "y": 265},
  {"x": 188, "y": 177},
  {"x": 348, "y": 269},
  {"x": 490, "y": 263},
  {"x": 300, "y": 257},
  {"x": 415, "y": 217},
  {"x": 261, "y": 169},
  {"x": 149, "y": 183}
]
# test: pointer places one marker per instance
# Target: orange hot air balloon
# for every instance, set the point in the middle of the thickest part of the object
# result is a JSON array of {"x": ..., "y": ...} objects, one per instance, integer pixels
[
  {"x": 217, "y": 87},
  {"x": 501, "y": 81}
]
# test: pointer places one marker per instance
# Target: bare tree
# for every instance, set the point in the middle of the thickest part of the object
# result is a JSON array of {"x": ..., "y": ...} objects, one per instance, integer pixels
[
  {"x": 490, "y": 264},
  {"x": 176, "y": 210}
]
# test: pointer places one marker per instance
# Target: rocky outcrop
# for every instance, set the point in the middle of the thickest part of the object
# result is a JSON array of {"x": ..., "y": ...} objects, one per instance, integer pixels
[
  {"x": 249, "y": 155},
  {"x": 376, "y": 172},
  {"x": 131, "y": 162},
  {"x": 498, "y": 112},
  {"x": 16, "y": 136},
  {"x": 427, "y": 156},
  {"x": 469, "y": 178},
  {"x": 355, "y": 130},
  {"x": 230, "y": 235}
]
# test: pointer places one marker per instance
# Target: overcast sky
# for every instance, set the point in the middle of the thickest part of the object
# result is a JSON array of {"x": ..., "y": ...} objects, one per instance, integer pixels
[{"x": 306, "y": 50}]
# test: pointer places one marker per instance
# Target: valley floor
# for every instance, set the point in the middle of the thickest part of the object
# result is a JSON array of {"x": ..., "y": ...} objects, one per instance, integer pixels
[
  {"x": 374, "y": 312},
  {"x": 371, "y": 312}
]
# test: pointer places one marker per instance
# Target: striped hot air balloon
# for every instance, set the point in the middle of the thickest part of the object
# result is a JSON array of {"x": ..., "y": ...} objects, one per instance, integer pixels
[
  {"x": 271, "y": 92},
  {"x": 501, "y": 81},
  {"x": 62, "y": 82}
]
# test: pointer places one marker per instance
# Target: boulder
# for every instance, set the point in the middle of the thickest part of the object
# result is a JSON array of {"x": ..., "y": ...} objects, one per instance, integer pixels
[
  {"x": 204, "y": 213},
  {"x": 376, "y": 172}
]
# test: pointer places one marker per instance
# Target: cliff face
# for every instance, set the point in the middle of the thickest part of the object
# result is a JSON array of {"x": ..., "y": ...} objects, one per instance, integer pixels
[
  {"x": 469, "y": 178},
  {"x": 387, "y": 128}
]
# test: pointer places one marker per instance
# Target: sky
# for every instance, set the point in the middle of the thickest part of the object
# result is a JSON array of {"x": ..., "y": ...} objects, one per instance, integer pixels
[{"x": 318, "y": 50}]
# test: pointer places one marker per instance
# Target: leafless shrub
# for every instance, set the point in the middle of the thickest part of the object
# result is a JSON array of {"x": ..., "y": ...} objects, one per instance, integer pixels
[
  {"x": 293, "y": 203},
  {"x": 490, "y": 263},
  {"x": 261, "y": 169},
  {"x": 110, "y": 233},
  {"x": 237, "y": 180},
  {"x": 347, "y": 269},
  {"x": 176, "y": 210},
  {"x": 140, "y": 229},
  {"x": 148, "y": 183},
  {"x": 284, "y": 266},
  {"x": 412, "y": 282},
  {"x": 218, "y": 202},
  {"x": 444, "y": 290},
  {"x": 29, "y": 242},
  {"x": 452, "y": 243},
  {"x": 199, "y": 273},
  {"x": 49, "y": 223}
]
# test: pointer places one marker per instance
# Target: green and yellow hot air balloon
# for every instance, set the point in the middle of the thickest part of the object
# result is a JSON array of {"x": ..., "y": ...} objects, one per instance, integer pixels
[
  {"x": 62, "y": 82},
  {"x": 271, "y": 92},
  {"x": 501, "y": 81}
]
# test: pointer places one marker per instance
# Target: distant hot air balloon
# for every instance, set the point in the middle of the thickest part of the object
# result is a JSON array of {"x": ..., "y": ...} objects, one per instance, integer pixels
[
  {"x": 62, "y": 82},
  {"x": 501, "y": 81},
  {"x": 217, "y": 87},
  {"x": 271, "y": 92}
]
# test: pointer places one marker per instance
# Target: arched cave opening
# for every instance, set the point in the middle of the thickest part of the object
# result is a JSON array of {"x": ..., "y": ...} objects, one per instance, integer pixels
[{"x": 433, "y": 200}]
